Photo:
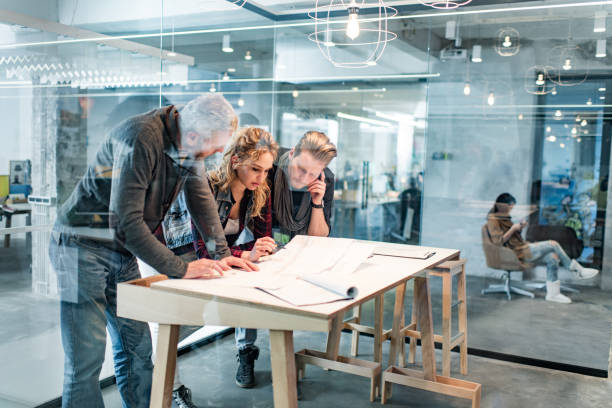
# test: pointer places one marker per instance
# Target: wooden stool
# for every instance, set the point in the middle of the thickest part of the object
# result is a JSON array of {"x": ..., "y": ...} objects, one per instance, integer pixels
[{"x": 446, "y": 271}]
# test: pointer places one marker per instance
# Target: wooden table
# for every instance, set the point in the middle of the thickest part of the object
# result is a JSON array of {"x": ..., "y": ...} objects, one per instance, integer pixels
[{"x": 176, "y": 302}]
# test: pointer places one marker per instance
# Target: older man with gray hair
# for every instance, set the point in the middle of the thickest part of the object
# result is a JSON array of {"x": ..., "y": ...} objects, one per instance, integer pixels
[{"x": 109, "y": 220}]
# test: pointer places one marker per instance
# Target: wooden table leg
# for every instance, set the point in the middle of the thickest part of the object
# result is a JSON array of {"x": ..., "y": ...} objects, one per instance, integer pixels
[
  {"x": 283, "y": 369},
  {"x": 423, "y": 309},
  {"x": 396, "y": 337},
  {"x": 379, "y": 308},
  {"x": 447, "y": 313},
  {"x": 463, "y": 320},
  {"x": 7, "y": 237},
  {"x": 165, "y": 364},
  {"x": 333, "y": 338},
  {"x": 355, "y": 336}
]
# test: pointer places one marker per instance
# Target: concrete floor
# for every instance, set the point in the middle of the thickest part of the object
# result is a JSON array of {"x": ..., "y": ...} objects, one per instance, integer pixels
[
  {"x": 209, "y": 372},
  {"x": 574, "y": 334}
]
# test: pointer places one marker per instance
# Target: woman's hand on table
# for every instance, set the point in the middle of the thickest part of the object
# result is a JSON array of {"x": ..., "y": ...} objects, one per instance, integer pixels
[
  {"x": 205, "y": 269},
  {"x": 263, "y": 246},
  {"x": 233, "y": 262}
]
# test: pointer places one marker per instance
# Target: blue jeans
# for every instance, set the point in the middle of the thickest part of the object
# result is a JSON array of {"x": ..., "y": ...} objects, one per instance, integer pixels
[
  {"x": 88, "y": 274},
  {"x": 245, "y": 337},
  {"x": 551, "y": 254}
]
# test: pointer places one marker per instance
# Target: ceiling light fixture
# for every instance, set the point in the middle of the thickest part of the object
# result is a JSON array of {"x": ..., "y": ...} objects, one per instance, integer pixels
[
  {"x": 225, "y": 76},
  {"x": 212, "y": 88},
  {"x": 231, "y": 70},
  {"x": 584, "y": 123},
  {"x": 225, "y": 44},
  {"x": 558, "y": 114},
  {"x": 548, "y": 129},
  {"x": 477, "y": 53},
  {"x": 540, "y": 79},
  {"x": 508, "y": 42},
  {"x": 445, "y": 4},
  {"x": 602, "y": 89},
  {"x": 491, "y": 99},
  {"x": 241, "y": 102},
  {"x": 295, "y": 93},
  {"x": 358, "y": 44},
  {"x": 600, "y": 48},
  {"x": 520, "y": 116},
  {"x": 574, "y": 131},
  {"x": 600, "y": 21},
  {"x": 589, "y": 102},
  {"x": 567, "y": 65},
  {"x": 467, "y": 90},
  {"x": 554, "y": 91}
]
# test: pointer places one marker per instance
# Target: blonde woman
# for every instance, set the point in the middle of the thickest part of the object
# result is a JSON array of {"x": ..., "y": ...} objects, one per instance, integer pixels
[{"x": 242, "y": 193}]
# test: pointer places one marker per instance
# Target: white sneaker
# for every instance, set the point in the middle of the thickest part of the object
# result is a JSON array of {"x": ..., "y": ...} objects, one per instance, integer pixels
[
  {"x": 580, "y": 272},
  {"x": 553, "y": 293}
]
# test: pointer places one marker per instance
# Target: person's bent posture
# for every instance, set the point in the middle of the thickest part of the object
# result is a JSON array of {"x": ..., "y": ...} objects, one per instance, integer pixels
[
  {"x": 137, "y": 173},
  {"x": 504, "y": 232},
  {"x": 303, "y": 188},
  {"x": 243, "y": 200}
]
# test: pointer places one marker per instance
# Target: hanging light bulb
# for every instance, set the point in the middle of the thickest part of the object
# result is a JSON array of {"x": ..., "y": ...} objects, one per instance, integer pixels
[
  {"x": 554, "y": 91},
  {"x": 491, "y": 99},
  {"x": 520, "y": 116},
  {"x": 507, "y": 43},
  {"x": 212, "y": 88},
  {"x": 241, "y": 102},
  {"x": 248, "y": 56},
  {"x": 568, "y": 64},
  {"x": 562, "y": 145},
  {"x": 328, "y": 39},
  {"x": 352, "y": 27},
  {"x": 577, "y": 118},
  {"x": 225, "y": 45},
  {"x": 584, "y": 123},
  {"x": 602, "y": 89},
  {"x": 548, "y": 129},
  {"x": 589, "y": 102},
  {"x": 551, "y": 138},
  {"x": 558, "y": 114},
  {"x": 579, "y": 140},
  {"x": 540, "y": 80},
  {"x": 295, "y": 93},
  {"x": 225, "y": 76},
  {"x": 574, "y": 131},
  {"x": 467, "y": 90}
]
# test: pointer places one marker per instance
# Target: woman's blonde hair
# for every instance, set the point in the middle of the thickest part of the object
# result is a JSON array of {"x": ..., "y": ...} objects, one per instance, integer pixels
[
  {"x": 318, "y": 145},
  {"x": 248, "y": 144}
]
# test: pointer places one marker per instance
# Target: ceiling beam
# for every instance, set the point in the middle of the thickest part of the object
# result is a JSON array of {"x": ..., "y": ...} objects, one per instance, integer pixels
[{"x": 11, "y": 17}]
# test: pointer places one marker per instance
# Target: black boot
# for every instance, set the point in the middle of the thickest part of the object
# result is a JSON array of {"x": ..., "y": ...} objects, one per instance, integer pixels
[
  {"x": 182, "y": 398},
  {"x": 245, "y": 376}
]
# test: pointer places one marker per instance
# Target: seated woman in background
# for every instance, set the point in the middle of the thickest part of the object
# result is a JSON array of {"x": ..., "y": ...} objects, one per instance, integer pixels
[
  {"x": 504, "y": 232},
  {"x": 243, "y": 200}
]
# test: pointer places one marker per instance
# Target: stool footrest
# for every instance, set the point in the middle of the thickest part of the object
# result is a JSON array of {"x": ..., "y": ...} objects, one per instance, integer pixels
[
  {"x": 348, "y": 365},
  {"x": 442, "y": 385},
  {"x": 361, "y": 328}
]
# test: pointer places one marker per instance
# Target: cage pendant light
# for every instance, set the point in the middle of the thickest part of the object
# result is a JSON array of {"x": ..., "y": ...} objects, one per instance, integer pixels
[{"x": 351, "y": 34}]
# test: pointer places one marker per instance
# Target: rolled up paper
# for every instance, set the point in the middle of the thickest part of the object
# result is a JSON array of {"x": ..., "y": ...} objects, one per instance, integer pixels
[{"x": 346, "y": 290}]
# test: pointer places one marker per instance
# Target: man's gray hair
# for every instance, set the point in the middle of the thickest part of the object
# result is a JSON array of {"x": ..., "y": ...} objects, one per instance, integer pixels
[{"x": 207, "y": 113}]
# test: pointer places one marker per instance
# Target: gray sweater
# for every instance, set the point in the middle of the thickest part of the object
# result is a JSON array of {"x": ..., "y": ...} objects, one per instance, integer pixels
[{"x": 135, "y": 177}]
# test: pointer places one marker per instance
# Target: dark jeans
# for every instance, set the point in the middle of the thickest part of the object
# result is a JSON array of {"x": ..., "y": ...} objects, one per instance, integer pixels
[{"x": 88, "y": 274}]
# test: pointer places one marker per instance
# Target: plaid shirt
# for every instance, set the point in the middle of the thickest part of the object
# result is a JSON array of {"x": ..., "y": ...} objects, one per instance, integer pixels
[{"x": 261, "y": 226}]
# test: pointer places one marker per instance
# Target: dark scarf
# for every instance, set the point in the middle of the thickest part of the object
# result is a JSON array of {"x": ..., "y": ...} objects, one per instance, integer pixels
[{"x": 283, "y": 202}]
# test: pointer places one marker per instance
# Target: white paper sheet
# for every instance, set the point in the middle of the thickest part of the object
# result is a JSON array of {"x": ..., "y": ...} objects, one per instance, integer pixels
[{"x": 403, "y": 251}]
